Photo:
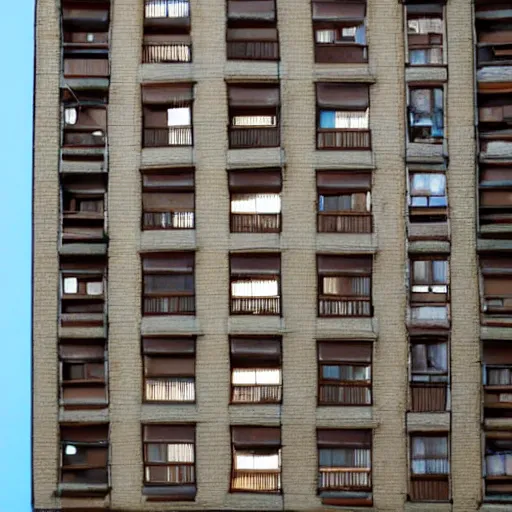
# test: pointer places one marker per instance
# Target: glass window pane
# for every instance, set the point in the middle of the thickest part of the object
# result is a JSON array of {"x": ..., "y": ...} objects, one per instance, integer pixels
[
  {"x": 178, "y": 116},
  {"x": 331, "y": 372}
]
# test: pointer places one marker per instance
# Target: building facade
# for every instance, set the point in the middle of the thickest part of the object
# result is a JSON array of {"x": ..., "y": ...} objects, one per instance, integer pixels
[{"x": 271, "y": 255}]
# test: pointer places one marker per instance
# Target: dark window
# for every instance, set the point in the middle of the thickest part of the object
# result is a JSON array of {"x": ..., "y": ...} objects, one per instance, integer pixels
[
  {"x": 169, "y": 369},
  {"x": 425, "y": 33},
  {"x": 344, "y": 373},
  {"x": 426, "y": 115},
  {"x": 496, "y": 289},
  {"x": 169, "y": 462},
  {"x": 344, "y": 285},
  {"x": 256, "y": 374},
  {"x": 497, "y": 379},
  {"x": 169, "y": 287},
  {"x": 256, "y": 463},
  {"x": 495, "y": 200}
]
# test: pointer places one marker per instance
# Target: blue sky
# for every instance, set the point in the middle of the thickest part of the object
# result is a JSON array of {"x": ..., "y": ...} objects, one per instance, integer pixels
[{"x": 16, "y": 43}]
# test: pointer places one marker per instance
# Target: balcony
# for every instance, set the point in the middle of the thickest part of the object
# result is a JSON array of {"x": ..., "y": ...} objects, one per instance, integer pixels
[
  {"x": 171, "y": 136},
  {"x": 248, "y": 137},
  {"x": 328, "y": 53},
  {"x": 168, "y": 220},
  {"x": 86, "y": 68},
  {"x": 253, "y": 50},
  {"x": 429, "y": 315},
  {"x": 169, "y": 305},
  {"x": 342, "y": 138},
  {"x": 345, "y": 306},
  {"x": 268, "y": 394},
  {"x": 428, "y": 397},
  {"x": 345, "y": 479},
  {"x": 168, "y": 52},
  {"x": 429, "y": 488},
  {"x": 350, "y": 393},
  {"x": 255, "y": 223},
  {"x": 355, "y": 223},
  {"x": 255, "y": 305},
  {"x": 256, "y": 481}
]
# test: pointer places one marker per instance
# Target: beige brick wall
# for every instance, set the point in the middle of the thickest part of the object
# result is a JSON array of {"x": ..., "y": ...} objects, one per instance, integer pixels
[{"x": 298, "y": 245}]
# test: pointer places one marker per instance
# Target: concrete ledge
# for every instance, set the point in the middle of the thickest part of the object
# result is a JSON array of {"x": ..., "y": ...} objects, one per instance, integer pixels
[
  {"x": 495, "y": 507},
  {"x": 484, "y": 244},
  {"x": 430, "y": 153},
  {"x": 346, "y": 243},
  {"x": 345, "y": 72},
  {"x": 426, "y": 74},
  {"x": 428, "y": 246},
  {"x": 254, "y": 241},
  {"x": 261, "y": 157},
  {"x": 254, "y": 414},
  {"x": 349, "y": 417},
  {"x": 168, "y": 324},
  {"x": 498, "y": 423},
  {"x": 85, "y": 151},
  {"x": 168, "y": 240},
  {"x": 173, "y": 156},
  {"x": 149, "y": 73},
  {"x": 83, "y": 248},
  {"x": 167, "y": 412},
  {"x": 346, "y": 328},
  {"x": 253, "y": 501},
  {"x": 255, "y": 324},
  {"x": 495, "y": 333},
  {"x": 82, "y": 332},
  {"x": 428, "y": 507},
  {"x": 251, "y": 70},
  {"x": 85, "y": 83},
  {"x": 330, "y": 159},
  {"x": 83, "y": 415},
  {"x": 428, "y": 421}
]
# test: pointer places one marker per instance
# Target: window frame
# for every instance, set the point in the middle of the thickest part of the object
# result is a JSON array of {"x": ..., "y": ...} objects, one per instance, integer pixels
[{"x": 431, "y": 87}]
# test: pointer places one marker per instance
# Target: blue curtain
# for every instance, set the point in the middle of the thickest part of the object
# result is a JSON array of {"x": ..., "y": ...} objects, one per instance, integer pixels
[{"x": 327, "y": 119}]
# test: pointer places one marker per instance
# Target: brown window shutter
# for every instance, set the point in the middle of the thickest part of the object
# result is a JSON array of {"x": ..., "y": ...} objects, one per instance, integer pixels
[
  {"x": 255, "y": 264},
  {"x": 253, "y": 95},
  {"x": 168, "y": 345},
  {"x": 167, "y": 94},
  {"x": 170, "y": 433},
  {"x": 168, "y": 38},
  {"x": 175, "y": 262},
  {"x": 252, "y": 34},
  {"x": 169, "y": 367},
  {"x": 81, "y": 352},
  {"x": 343, "y": 96},
  {"x": 345, "y": 351},
  {"x": 265, "y": 180},
  {"x": 496, "y": 174},
  {"x": 268, "y": 348},
  {"x": 350, "y": 10},
  {"x": 419, "y": 7},
  {"x": 329, "y": 264},
  {"x": 94, "y": 118},
  {"x": 167, "y": 201},
  {"x": 87, "y": 434},
  {"x": 93, "y": 394},
  {"x": 155, "y": 118},
  {"x": 251, "y": 437},
  {"x": 251, "y": 9},
  {"x": 500, "y": 286},
  {"x": 171, "y": 180},
  {"x": 332, "y": 181},
  {"x": 496, "y": 198},
  {"x": 328, "y": 438},
  {"x": 497, "y": 353}
]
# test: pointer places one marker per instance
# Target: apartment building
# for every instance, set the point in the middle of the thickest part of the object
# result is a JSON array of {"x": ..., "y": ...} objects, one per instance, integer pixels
[{"x": 272, "y": 255}]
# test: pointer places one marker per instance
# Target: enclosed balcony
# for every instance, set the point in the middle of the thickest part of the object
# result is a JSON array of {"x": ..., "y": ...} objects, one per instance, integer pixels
[
  {"x": 495, "y": 126},
  {"x": 167, "y": 15},
  {"x": 497, "y": 379},
  {"x": 496, "y": 290},
  {"x": 498, "y": 467}
]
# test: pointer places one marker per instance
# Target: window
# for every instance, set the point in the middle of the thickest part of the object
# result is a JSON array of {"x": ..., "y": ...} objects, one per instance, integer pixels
[
  {"x": 255, "y": 283},
  {"x": 168, "y": 199},
  {"x": 167, "y": 114},
  {"x": 83, "y": 200},
  {"x": 169, "y": 369},
  {"x": 84, "y": 125},
  {"x": 85, "y": 34},
  {"x": 82, "y": 374},
  {"x": 83, "y": 292},
  {"x": 498, "y": 466},
  {"x": 344, "y": 202},
  {"x": 344, "y": 373},
  {"x": 253, "y": 115},
  {"x": 497, "y": 379},
  {"x": 425, "y": 29},
  {"x": 426, "y": 115},
  {"x": 345, "y": 467},
  {"x": 173, "y": 9},
  {"x": 256, "y": 459},
  {"x": 84, "y": 459},
  {"x": 429, "y": 374},
  {"x": 428, "y": 199},
  {"x": 255, "y": 200},
  {"x": 430, "y": 468},
  {"x": 344, "y": 285},
  {"x": 496, "y": 289},
  {"x": 430, "y": 292},
  {"x": 169, "y": 462},
  {"x": 256, "y": 375},
  {"x": 342, "y": 116},
  {"x": 492, "y": 20},
  {"x": 495, "y": 199},
  {"x": 340, "y": 31},
  {"x": 169, "y": 287},
  {"x": 252, "y": 30}
]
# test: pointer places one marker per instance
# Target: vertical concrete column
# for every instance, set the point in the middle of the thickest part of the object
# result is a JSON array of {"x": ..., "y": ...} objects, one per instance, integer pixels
[
  {"x": 465, "y": 352},
  {"x": 212, "y": 263},
  {"x": 387, "y": 114},
  {"x": 298, "y": 256},
  {"x": 46, "y": 260},
  {"x": 124, "y": 274}
]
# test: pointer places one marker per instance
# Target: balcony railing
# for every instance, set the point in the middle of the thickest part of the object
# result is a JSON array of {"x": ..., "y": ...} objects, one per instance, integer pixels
[
  {"x": 170, "y": 305},
  {"x": 345, "y": 223},
  {"x": 345, "y": 394},
  {"x": 256, "y": 394},
  {"x": 326, "y": 53},
  {"x": 259, "y": 481},
  {"x": 255, "y": 223},
  {"x": 345, "y": 306},
  {"x": 153, "y": 53},
  {"x": 256, "y": 305},
  {"x": 175, "y": 474},
  {"x": 428, "y": 397},
  {"x": 171, "y": 389},
  {"x": 253, "y": 50},
  {"x": 86, "y": 68},
  {"x": 248, "y": 137},
  {"x": 430, "y": 488},
  {"x": 173, "y": 9},
  {"x": 84, "y": 138},
  {"x": 168, "y": 220},
  {"x": 79, "y": 319},
  {"x": 342, "y": 138},
  {"x": 338, "y": 479},
  {"x": 498, "y": 396},
  {"x": 172, "y": 136}
]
